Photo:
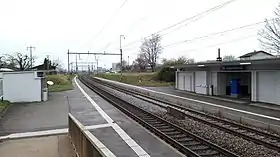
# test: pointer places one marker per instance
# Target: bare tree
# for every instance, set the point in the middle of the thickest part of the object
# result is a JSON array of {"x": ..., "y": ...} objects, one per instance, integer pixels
[
  {"x": 229, "y": 58},
  {"x": 151, "y": 49},
  {"x": 270, "y": 35},
  {"x": 19, "y": 60},
  {"x": 140, "y": 62}
]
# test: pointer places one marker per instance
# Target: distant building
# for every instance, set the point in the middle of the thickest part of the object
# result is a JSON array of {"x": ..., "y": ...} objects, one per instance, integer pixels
[
  {"x": 114, "y": 66},
  {"x": 256, "y": 55}
]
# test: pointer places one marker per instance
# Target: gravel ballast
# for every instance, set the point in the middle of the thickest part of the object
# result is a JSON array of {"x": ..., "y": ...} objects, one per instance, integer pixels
[{"x": 233, "y": 143}]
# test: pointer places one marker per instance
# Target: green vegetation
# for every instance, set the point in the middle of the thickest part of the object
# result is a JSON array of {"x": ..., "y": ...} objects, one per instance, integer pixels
[
  {"x": 4, "y": 104},
  {"x": 139, "y": 79},
  {"x": 166, "y": 74},
  {"x": 61, "y": 82}
]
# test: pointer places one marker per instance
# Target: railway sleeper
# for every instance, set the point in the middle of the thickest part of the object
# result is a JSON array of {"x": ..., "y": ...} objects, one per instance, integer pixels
[
  {"x": 199, "y": 147},
  {"x": 208, "y": 153},
  {"x": 184, "y": 140},
  {"x": 191, "y": 143},
  {"x": 163, "y": 127},
  {"x": 172, "y": 133}
]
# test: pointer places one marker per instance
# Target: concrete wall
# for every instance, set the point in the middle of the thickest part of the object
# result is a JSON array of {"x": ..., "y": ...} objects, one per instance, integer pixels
[{"x": 21, "y": 87}]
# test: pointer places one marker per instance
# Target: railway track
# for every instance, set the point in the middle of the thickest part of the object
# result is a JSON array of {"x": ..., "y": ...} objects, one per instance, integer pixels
[
  {"x": 259, "y": 137},
  {"x": 186, "y": 142}
]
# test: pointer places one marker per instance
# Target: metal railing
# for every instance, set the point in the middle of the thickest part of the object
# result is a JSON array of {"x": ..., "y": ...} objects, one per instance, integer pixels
[{"x": 82, "y": 140}]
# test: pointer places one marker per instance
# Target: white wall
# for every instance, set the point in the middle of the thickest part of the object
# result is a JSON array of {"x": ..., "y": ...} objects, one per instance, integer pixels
[
  {"x": 21, "y": 87},
  {"x": 214, "y": 82},
  {"x": 201, "y": 82},
  {"x": 185, "y": 81},
  {"x": 180, "y": 81},
  {"x": 268, "y": 86}
]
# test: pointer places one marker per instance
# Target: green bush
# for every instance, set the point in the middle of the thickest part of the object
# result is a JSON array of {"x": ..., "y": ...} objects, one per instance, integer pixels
[
  {"x": 61, "y": 82},
  {"x": 166, "y": 74}
]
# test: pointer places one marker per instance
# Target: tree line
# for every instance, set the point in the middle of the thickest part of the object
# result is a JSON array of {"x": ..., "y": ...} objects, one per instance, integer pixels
[{"x": 21, "y": 62}]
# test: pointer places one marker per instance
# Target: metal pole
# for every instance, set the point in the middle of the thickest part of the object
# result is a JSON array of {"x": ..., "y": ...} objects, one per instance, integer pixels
[
  {"x": 121, "y": 54},
  {"x": 76, "y": 64},
  {"x": 68, "y": 62},
  {"x": 30, "y": 49}
]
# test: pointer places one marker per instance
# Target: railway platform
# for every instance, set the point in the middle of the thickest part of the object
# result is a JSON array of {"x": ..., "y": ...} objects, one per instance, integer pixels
[
  {"x": 118, "y": 133},
  {"x": 245, "y": 105}
]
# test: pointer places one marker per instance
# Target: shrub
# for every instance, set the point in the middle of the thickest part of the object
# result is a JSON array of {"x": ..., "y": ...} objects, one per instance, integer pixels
[{"x": 166, "y": 74}]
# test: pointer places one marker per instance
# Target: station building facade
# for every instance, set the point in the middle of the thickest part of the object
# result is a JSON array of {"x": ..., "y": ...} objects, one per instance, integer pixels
[{"x": 256, "y": 78}]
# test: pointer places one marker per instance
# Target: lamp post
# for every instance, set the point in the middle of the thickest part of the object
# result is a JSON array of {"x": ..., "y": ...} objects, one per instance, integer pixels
[{"x": 121, "y": 37}]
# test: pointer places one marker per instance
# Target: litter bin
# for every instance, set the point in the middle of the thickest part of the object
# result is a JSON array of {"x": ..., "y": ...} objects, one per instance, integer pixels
[{"x": 45, "y": 94}]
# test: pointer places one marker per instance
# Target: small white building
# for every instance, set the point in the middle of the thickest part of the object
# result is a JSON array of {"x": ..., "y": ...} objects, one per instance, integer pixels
[
  {"x": 256, "y": 55},
  {"x": 256, "y": 80},
  {"x": 22, "y": 86}
]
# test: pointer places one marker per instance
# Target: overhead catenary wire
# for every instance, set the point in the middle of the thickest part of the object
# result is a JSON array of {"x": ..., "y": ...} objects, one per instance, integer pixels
[
  {"x": 208, "y": 11},
  {"x": 109, "y": 21},
  {"x": 221, "y": 43},
  {"x": 188, "y": 41},
  {"x": 215, "y": 34}
]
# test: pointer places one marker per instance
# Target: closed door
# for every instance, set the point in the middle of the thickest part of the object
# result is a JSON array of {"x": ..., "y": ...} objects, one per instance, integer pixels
[
  {"x": 181, "y": 82},
  {"x": 188, "y": 83}
]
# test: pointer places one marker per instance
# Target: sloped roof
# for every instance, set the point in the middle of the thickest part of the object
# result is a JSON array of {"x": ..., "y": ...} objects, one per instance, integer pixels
[{"x": 254, "y": 53}]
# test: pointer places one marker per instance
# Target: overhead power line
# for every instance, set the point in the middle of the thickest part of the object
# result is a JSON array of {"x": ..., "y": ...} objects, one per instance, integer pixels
[
  {"x": 214, "y": 34},
  {"x": 222, "y": 43},
  {"x": 204, "y": 13},
  {"x": 109, "y": 21}
]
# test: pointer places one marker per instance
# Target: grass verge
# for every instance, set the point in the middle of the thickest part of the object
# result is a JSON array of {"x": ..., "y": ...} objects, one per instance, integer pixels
[
  {"x": 138, "y": 79},
  {"x": 4, "y": 104},
  {"x": 61, "y": 82}
]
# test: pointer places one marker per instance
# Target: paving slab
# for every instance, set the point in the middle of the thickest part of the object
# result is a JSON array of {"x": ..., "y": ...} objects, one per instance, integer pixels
[
  {"x": 37, "y": 116},
  {"x": 52, "y": 146},
  {"x": 113, "y": 142}
]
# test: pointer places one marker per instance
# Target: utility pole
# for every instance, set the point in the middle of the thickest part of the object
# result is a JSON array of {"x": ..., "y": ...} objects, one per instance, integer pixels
[
  {"x": 30, "y": 48},
  {"x": 96, "y": 59},
  {"x": 48, "y": 62},
  {"x": 121, "y": 36},
  {"x": 68, "y": 61},
  {"x": 128, "y": 60},
  {"x": 76, "y": 64}
]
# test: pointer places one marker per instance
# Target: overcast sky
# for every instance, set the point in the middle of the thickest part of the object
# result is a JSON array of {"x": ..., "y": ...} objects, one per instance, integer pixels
[{"x": 53, "y": 26}]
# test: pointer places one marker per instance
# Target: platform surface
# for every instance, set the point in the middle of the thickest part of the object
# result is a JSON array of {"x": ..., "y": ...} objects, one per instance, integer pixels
[
  {"x": 140, "y": 138},
  {"x": 51, "y": 146},
  {"x": 259, "y": 108}
]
